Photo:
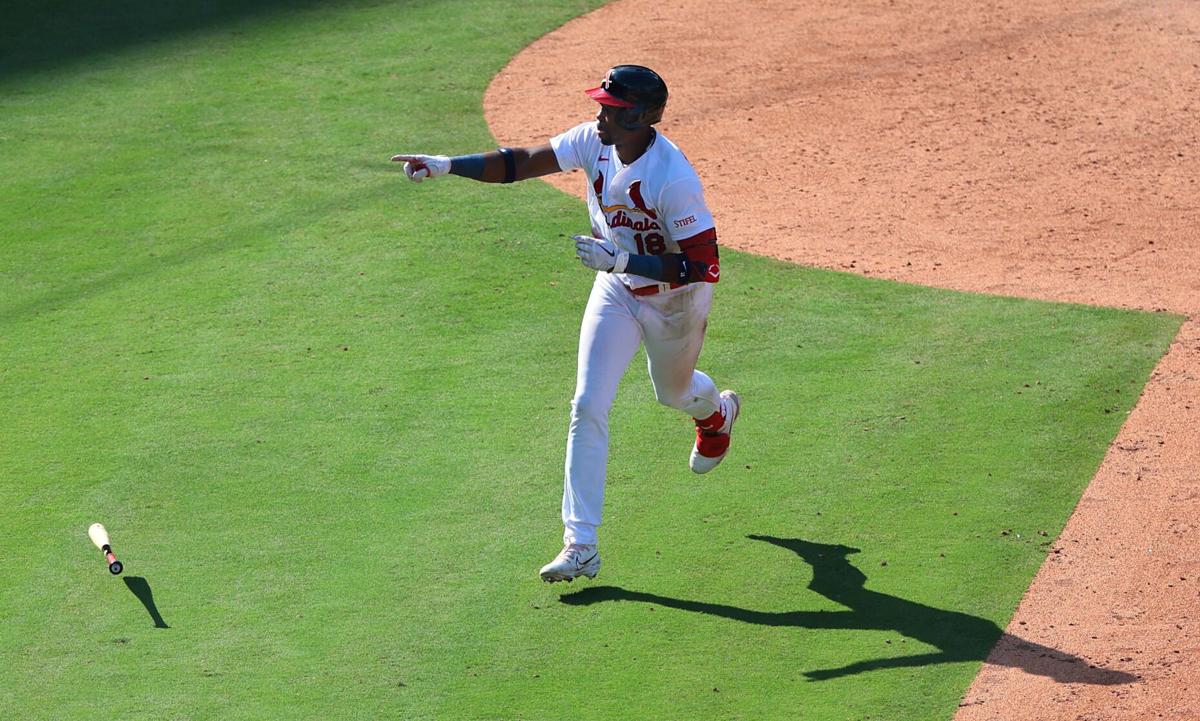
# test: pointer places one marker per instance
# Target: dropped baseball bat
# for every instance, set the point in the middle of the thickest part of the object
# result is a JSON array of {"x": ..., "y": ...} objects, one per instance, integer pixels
[{"x": 99, "y": 535}]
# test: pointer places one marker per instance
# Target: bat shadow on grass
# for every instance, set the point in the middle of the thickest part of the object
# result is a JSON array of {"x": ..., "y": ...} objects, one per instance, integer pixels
[
  {"x": 957, "y": 636},
  {"x": 141, "y": 589}
]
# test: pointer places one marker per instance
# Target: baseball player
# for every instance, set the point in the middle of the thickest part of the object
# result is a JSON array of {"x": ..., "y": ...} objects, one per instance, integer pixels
[{"x": 654, "y": 244}]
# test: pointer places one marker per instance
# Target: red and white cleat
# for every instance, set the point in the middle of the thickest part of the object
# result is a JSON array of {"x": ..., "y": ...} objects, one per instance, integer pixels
[{"x": 711, "y": 446}]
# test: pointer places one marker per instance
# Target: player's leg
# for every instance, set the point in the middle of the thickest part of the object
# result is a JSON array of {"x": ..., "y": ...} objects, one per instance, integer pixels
[
  {"x": 608, "y": 339},
  {"x": 673, "y": 328}
]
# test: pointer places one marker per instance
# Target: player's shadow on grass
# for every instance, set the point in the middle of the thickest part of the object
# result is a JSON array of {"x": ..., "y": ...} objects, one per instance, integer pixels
[
  {"x": 957, "y": 636},
  {"x": 141, "y": 589}
]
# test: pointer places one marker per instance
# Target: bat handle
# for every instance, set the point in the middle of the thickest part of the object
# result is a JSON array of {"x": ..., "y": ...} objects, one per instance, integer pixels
[{"x": 114, "y": 566}]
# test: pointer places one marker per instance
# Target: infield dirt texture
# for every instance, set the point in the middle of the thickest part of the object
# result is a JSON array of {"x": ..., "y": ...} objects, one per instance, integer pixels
[{"x": 322, "y": 411}]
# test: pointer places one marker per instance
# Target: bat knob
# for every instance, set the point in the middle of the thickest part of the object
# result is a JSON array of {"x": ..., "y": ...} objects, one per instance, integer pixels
[{"x": 115, "y": 567}]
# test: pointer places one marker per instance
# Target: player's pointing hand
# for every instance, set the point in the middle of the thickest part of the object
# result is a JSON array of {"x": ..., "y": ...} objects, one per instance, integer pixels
[
  {"x": 419, "y": 167},
  {"x": 600, "y": 254}
]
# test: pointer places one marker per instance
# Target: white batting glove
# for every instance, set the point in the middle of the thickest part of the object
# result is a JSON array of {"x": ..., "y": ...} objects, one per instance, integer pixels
[
  {"x": 600, "y": 254},
  {"x": 420, "y": 167}
]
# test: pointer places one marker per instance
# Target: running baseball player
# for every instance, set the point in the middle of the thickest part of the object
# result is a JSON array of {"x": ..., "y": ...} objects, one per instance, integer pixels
[{"x": 654, "y": 243}]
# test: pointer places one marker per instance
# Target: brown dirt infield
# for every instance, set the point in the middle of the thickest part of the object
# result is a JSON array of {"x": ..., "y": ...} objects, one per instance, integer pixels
[{"x": 1034, "y": 148}]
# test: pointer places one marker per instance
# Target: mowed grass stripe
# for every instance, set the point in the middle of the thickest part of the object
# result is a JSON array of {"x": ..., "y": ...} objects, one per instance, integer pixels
[{"x": 323, "y": 413}]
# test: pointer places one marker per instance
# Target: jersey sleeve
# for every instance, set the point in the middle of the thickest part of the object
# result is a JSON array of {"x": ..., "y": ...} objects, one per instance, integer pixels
[
  {"x": 691, "y": 226},
  {"x": 574, "y": 147},
  {"x": 684, "y": 209}
]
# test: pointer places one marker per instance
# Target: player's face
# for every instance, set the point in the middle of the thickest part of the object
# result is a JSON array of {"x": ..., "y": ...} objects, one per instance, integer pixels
[{"x": 607, "y": 128}]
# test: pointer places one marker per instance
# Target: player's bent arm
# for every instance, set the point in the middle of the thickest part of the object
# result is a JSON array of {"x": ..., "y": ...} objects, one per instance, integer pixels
[
  {"x": 699, "y": 262},
  {"x": 669, "y": 268}
]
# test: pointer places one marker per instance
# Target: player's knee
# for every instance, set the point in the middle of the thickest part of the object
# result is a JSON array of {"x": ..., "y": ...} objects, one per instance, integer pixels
[{"x": 591, "y": 406}]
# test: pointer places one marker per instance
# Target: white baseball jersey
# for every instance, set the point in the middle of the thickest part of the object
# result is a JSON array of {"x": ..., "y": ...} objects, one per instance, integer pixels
[{"x": 647, "y": 207}]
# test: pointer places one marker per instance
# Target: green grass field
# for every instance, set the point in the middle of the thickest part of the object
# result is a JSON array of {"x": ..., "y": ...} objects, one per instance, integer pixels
[{"x": 323, "y": 410}]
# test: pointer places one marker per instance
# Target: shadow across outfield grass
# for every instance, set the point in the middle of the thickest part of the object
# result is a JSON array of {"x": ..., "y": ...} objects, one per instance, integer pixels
[
  {"x": 958, "y": 636},
  {"x": 43, "y": 35}
]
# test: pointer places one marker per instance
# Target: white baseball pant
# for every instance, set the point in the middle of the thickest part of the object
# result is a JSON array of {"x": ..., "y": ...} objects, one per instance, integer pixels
[{"x": 671, "y": 326}]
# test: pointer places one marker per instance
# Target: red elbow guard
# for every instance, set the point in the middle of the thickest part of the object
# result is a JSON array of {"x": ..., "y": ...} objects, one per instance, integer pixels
[{"x": 704, "y": 260}]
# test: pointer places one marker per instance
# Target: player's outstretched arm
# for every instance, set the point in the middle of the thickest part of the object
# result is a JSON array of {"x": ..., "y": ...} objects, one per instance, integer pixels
[{"x": 505, "y": 165}]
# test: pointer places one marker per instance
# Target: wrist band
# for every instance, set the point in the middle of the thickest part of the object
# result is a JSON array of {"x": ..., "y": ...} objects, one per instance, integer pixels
[
  {"x": 510, "y": 165},
  {"x": 468, "y": 166}
]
